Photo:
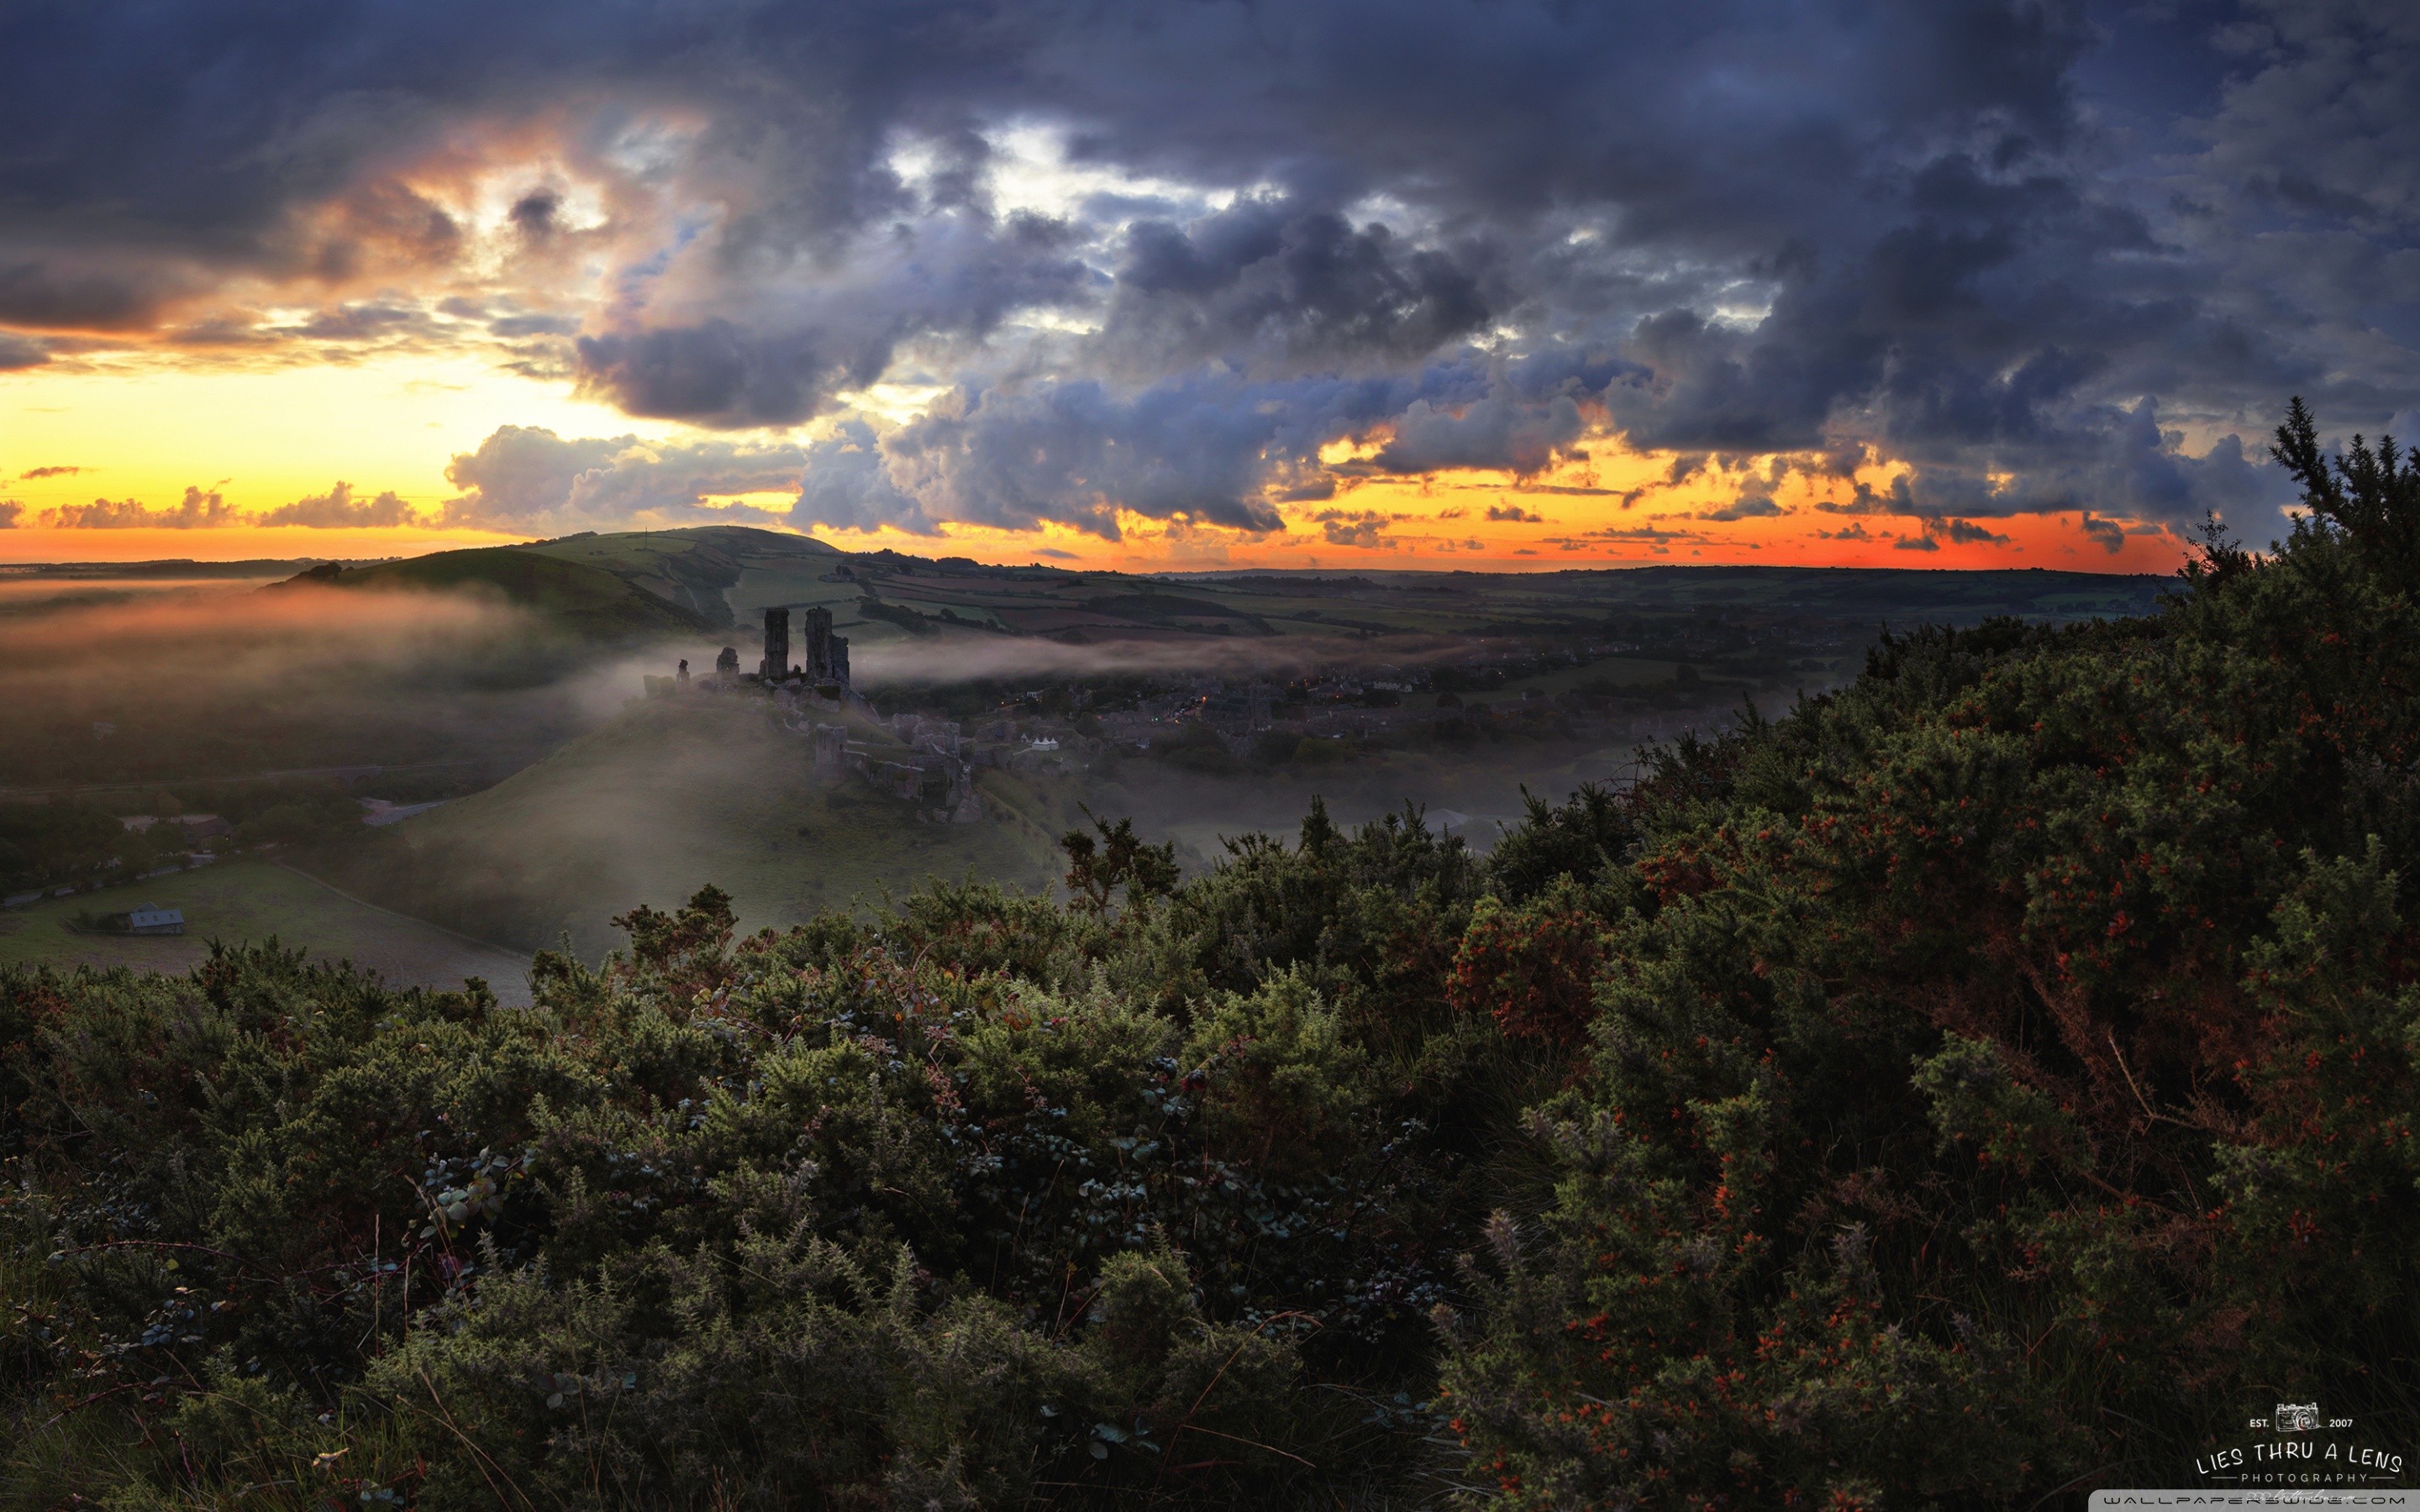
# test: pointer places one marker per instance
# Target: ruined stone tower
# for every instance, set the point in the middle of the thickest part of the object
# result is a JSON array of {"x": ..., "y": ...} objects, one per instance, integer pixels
[
  {"x": 776, "y": 663},
  {"x": 826, "y": 653}
]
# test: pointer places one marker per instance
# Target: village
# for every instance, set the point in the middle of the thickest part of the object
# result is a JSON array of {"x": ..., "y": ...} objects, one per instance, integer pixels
[{"x": 918, "y": 756}]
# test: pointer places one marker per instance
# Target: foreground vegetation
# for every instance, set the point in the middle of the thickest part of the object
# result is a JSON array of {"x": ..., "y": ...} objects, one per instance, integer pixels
[{"x": 1989, "y": 1081}]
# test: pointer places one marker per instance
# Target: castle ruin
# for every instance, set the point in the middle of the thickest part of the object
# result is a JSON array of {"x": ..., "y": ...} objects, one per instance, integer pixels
[
  {"x": 826, "y": 653},
  {"x": 776, "y": 665},
  {"x": 832, "y": 748}
]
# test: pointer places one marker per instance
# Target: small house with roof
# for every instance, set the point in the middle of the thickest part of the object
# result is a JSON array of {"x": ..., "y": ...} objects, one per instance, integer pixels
[{"x": 150, "y": 919}]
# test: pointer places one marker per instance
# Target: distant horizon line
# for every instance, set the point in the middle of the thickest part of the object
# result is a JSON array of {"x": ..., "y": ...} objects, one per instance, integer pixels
[{"x": 103, "y": 568}]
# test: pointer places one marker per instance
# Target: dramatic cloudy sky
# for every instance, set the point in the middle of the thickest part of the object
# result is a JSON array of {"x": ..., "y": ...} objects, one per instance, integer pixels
[{"x": 1428, "y": 282}]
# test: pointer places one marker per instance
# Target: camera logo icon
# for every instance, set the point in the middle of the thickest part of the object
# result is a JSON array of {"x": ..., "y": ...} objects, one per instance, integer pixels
[{"x": 2297, "y": 1417}]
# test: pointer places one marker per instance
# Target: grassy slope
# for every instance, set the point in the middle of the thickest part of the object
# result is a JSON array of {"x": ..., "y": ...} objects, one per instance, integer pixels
[
  {"x": 254, "y": 901},
  {"x": 697, "y": 568},
  {"x": 665, "y": 799},
  {"x": 583, "y": 598}
]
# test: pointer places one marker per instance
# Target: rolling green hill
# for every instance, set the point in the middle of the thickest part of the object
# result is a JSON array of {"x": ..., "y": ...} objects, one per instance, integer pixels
[
  {"x": 584, "y": 599},
  {"x": 695, "y": 568},
  {"x": 664, "y": 799}
]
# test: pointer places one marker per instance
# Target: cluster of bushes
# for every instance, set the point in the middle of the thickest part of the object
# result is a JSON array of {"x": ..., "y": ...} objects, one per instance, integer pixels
[
  {"x": 294, "y": 810},
  {"x": 82, "y": 840},
  {"x": 1990, "y": 1081},
  {"x": 47, "y": 843},
  {"x": 983, "y": 1200}
]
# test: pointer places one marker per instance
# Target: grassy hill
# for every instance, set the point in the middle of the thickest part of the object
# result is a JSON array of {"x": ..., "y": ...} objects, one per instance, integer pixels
[
  {"x": 663, "y": 800},
  {"x": 584, "y": 599},
  {"x": 695, "y": 568}
]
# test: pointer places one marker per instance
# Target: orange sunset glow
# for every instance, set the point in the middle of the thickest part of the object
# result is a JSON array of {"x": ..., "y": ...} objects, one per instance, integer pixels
[{"x": 140, "y": 428}]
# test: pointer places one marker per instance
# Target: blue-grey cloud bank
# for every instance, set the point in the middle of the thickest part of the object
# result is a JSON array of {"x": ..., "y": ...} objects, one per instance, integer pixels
[{"x": 920, "y": 261}]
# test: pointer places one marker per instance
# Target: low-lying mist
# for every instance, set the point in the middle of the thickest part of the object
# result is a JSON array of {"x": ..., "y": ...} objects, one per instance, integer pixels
[
  {"x": 975, "y": 656},
  {"x": 37, "y": 594},
  {"x": 205, "y": 682},
  {"x": 581, "y": 800},
  {"x": 668, "y": 797}
]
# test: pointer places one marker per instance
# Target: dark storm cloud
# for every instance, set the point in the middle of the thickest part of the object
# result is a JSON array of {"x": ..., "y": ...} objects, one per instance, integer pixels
[
  {"x": 533, "y": 213},
  {"x": 2051, "y": 261},
  {"x": 1199, "y": 448},
  {"x": 1497, "y": 430},
  {"x": 1753, "y": 506},
  {"x": 785, "y": 363},
  {"x": 715, "y": 372},
  {"x": 1265, "y": 280},
  {"x": 1968, "y": 534},
  {"x": 156, "y": 152},
  {"x": 1206, "y": 449}
]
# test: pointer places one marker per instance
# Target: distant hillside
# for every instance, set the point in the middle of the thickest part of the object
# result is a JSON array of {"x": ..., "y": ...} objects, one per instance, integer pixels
[
  {"x": 176, "y": 568},
  {"x": 721, "y": 577},
  {"x": 666, "y": 798},
  {"x": 584, "y": 599},
  {"x": 1539, "y": 602},
  {"x": 692, "y": 568}
]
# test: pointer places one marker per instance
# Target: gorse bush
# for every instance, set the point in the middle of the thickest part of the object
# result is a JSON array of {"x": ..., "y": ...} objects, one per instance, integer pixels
[
  {"x": 924, "y": 1210},
  {"x": 1988, "y": 1082}
]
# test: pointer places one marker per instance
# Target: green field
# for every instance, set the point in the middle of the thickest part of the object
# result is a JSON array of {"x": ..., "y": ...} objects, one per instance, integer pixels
[
  {"x": 696, "y": 569},
  {"x": 673, "y": 795},
  {"x": 256, "y": 901},
  {"x": 579, "y": 596}
]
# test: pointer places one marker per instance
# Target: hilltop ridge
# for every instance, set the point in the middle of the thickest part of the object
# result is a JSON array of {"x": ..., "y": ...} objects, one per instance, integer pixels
[{"x": 581, "y": 599}]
